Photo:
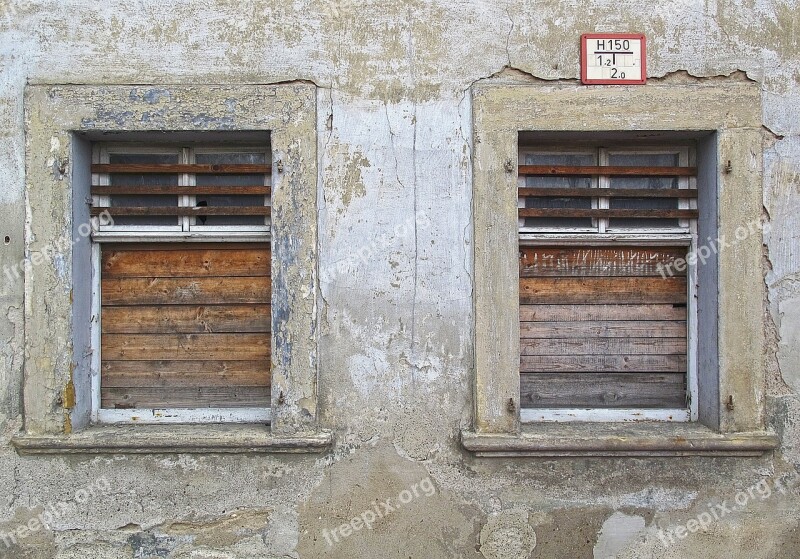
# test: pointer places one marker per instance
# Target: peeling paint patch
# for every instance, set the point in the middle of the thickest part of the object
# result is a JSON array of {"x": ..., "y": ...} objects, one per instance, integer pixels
[
  {"x": 789, "y": 344},
  {"x": 155, "y": 117},
  {"x": 210, "y": 122},
  {"x": 146, "y": 544},
  {"x": 344, "y": 177},
  {"x": 153, "y": 96},
  {"x": 69, "y": 396},
  {"x": 224, "y": 531},
  {"x": 617, "y": 532},
  {"x": 508, "y": 535},
  {"x": 109, "y": 117}
]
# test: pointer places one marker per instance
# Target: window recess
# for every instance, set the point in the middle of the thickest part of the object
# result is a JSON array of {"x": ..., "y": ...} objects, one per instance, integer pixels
[
  {"x": 182, "y": 305},
  {"x": 607, "y": 318}
]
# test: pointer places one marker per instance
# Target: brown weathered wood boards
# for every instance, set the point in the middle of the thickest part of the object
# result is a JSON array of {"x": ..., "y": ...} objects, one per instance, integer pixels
[
  {"x": 600, "y": 327},
  {"x": 185, "y": 326}
]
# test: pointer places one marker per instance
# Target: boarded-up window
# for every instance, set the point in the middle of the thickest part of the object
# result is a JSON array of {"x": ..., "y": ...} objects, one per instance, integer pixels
[
  {"x": 606, "y": 318},
  {"x": 186, "y": 326},
  {"x": 600, "y": 327},
  {"x": 183, "y": 278}
]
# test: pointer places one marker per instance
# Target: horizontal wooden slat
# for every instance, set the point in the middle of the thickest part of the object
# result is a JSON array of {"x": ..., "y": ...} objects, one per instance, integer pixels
[
  {"x": 592, "y": 290},
  {"x": 599, "y": 213},
  {"x": 169, "y": 168},
  {"x": 606, "y": 171},
  {"x": 180, "y": 319},
  {"x": 598, "y": 261},
  {"x": 684, "y": 193},
  {"x": 603, "y": 363},
  {"x": 603, "y": 346},
  {"x": 184, "y": 261},
  {"x": 185, "y": 291},
  {"x": 116, "y": 374},
  {"x": 568, "y": 313},
  {"x": 140, "y": 190},
  {"x": 248, "y": 245},
  {"x": 631, "y": 390},
  {"x": 185, "y": 347},
  {"x": 179, "y": 211},
  {"x": 604, "y": 329},
  {"x": 199, "y": 397}
]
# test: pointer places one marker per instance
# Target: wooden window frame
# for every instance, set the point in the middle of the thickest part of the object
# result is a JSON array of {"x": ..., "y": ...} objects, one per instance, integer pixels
[
  {"x": 62, "y": 123},
  {"x": 724, "y": 117},
  {"x": 185, "y": 231},
  {"x": 685, "y": 234}
]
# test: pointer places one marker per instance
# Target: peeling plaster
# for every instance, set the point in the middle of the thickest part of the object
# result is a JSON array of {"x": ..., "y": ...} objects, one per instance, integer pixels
[
  {"x": 616, "y": 534},
  {"x": 789, "y": 344},
  {"x": 508, "y": 535}
]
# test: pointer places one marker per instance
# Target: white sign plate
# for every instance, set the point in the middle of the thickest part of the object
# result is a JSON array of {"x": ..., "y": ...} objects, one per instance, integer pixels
[{"x": 613, "y": 58}]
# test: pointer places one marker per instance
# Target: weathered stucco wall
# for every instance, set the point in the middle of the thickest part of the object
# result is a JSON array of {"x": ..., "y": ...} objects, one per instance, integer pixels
[{"x": 396, "y": 341}]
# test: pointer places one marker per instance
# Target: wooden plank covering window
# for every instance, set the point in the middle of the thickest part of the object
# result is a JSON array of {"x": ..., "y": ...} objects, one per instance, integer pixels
[
  {"x": 601, "y": 327},
  {"x": 606, "y": 171},
  {"x": 182, "y": 211},
  {"x": 185, "y": 326},
  {"x": 181, "y": 190},
  {"x": 532, "y": 192},
  {"x": 168, "y": 168},
  {"x": 608, "y": 213}
]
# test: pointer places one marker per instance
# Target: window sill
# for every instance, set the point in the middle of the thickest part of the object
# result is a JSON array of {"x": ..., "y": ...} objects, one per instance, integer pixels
[
  {"x": 623, "y": 439},
  {"x": 172, "y": 439}
]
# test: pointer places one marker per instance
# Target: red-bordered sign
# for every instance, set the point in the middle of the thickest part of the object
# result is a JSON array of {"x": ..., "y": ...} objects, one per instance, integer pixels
[{"x": 613, "y": 58}]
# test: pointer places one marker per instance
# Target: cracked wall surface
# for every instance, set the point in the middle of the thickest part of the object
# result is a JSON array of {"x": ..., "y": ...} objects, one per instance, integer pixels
[{"x": 396, "y": 346}]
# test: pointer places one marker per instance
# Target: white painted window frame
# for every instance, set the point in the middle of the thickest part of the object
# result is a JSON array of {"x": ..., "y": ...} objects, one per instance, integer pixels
[
  {"x": 186, "y": 231},
  {"x": 685, "y": 235}
]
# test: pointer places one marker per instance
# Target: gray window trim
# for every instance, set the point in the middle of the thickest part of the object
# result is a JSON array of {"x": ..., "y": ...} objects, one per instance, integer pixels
[
  {"x": 727, "y": 114},
  {"x": 61, "y": 122}
]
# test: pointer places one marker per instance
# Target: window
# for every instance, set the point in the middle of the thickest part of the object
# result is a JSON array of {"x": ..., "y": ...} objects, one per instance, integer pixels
[
  {"x": 607, "y": 321},
  {"x": 182, "y": 316},
  {"x": 213, "y": 194},
  {"x": 579, "y": 195}
]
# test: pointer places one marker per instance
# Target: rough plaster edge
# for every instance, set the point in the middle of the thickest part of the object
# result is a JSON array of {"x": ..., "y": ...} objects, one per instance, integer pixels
[
  {"x": 173, "y": 439},
  {"x": 604, "y": 440},
  {"x": 514, "y": 75}
]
